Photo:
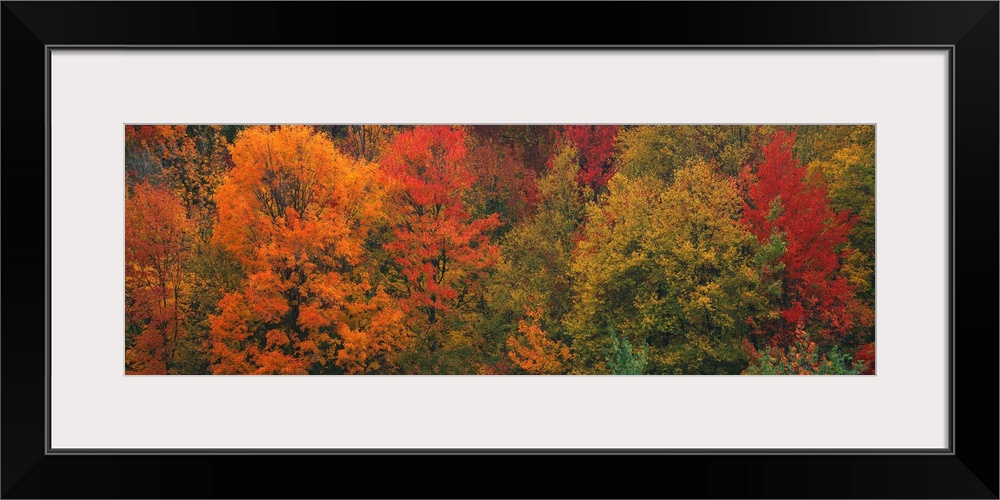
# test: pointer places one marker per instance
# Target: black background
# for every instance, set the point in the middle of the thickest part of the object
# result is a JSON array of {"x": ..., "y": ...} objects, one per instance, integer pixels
[{"x": 972, "y": 472}]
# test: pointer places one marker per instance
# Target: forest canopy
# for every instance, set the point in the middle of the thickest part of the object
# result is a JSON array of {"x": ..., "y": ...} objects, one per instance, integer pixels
[{"x": 501, "y": 249}]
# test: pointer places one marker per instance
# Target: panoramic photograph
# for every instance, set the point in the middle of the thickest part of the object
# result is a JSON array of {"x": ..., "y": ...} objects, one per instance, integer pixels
[{"x": 605, "y": 249}]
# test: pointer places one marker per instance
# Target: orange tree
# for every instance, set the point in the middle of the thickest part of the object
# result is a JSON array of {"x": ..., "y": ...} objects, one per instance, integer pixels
[
  {"x": 157, "y": 246},
  {"x": 296, "y": 213}
]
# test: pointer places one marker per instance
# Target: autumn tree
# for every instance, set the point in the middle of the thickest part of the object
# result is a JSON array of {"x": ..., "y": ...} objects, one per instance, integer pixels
[
  {"x": 158, "y": 236},
  {"x": 660, "y": 150},
  {"x": 533, "y": 351},
  {"x": 783, "y": 200},
  {"x": 534, "y": 270},
  {"x": 804, "y": 357},
  {"x": 197, "y": 176},
  {"x": 362, "y": 142},
  {"x": 820, "y": 142},
  {"x": 532, "y": 145},
  {"x": 706, "y": 280},
  {"x": 672, "y": 270},
  {"x": 440, "y": 254},
  {"x": 596, "y": 147},
  {"x": 144, "y": 150},
  {"x": 844, "y": 158},
  {"x": 213, "y": 272},
  {"x": 608, "y": 269},
  {"x": 295, "y": 213},
  {"x": 502, "y": 184},
  {"x": 190, "y": 160},
  {"x": 864, "y": 359},
  {"x": 849, "y": 173}
]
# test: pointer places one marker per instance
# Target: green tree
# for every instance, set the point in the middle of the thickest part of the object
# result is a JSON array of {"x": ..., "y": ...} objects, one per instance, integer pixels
[{"x": 623, "y": 359}]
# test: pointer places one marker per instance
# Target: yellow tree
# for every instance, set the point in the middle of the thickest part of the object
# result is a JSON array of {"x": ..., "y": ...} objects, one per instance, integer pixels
[
  {"x": 609, "y": 269},
  {"x": 660, "y": 150},
  {"x": 705, "y": 279},
  {"x": 671, "y": 270},
  {"x": 296, "y": 213},
  {"x": 849, "y": 173},
  {"x": 533, "y": 274}
]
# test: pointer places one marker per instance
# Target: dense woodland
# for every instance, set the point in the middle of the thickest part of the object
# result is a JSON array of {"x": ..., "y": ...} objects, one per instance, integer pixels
[{"x": 529, "y": 249}]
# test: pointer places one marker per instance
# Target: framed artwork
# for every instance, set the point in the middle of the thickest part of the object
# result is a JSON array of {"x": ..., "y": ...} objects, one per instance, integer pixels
[{"x": 272, "y": 244}]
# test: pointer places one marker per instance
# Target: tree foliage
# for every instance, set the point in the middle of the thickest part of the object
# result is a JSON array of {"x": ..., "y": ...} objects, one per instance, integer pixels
[
  {"x": 784, "y": 200},
  {"x": 158, "y": 238},
  {"x": 533, "y": 273},
  {"x": 502, "y": 183},
  {"x": 500, "y": 249},
  {"x": 189, "y": 160},
  {"x": 660, "y": 150},
  {"x": 670, "y": 269},
  {"x": 440, "y": 255},
  {"x": 533, "y": 351},
  {"x": 803, "y": 357},
  {"x": 596, "y": 146},
  {"x": 295, "y": 212}
]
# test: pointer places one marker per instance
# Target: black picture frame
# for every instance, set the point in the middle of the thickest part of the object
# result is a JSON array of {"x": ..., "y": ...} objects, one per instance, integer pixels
[{"x": 968, "y": 29}]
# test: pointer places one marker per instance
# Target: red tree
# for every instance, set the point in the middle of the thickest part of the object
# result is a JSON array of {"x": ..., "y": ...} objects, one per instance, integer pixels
[
  {"x": 596, "y": 145},
  {"x": 782, "y": 199},
  {"x": 503, "y": 184},
  {"x": 442, "y": 253},
  {"x": 866, "y": 354}
]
